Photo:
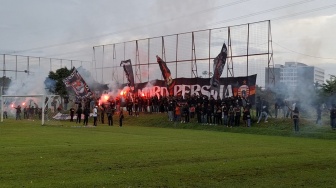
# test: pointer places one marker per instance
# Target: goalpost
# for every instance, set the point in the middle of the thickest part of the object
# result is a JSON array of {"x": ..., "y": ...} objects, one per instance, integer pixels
[{"x": 43, "y": 101}]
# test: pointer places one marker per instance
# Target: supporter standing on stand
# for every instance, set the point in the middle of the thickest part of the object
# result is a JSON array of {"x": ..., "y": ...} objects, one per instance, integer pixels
[
  {"x": 295, "y": 117},
  {"x": 178, "y": 113},
  {"x": 258, "y": 106},
  {"x": 25, "y": 113},
  {"x": 212, "y": 103},
  {"x": 192, "y": 111},
  {"x": 136, "y": 107},
  {"x": 231, "y": 116},
  {"x": 209, "y": 114},
  {"x": 225, "y": 114},
  {"x": 109, "y": 114},
  {"x": 86, "y": 115},
  {"x": 95, "y": 114},
  {"x": 5, "y": 115},
  {"x": 276, "y": 109},
  {"x": 198, "y": 111},
  {"x": 18, "y": 112},
  {"x": 72, "y": 113},
  {"x": 247, "y": 116},
  {"x": 121, "y": 118},
  {"x": 204, "y": 114},
  {"x": 264, "y": 112},
  {"x": 129, "y": 106},
  {"x": 237, "y": 115},
  {"x": 219, "y": 115},
  {"x": 102, "y": 113},
  {"x": 186, "y": 113},
  {"x": 79, "y": 113},
  {"x": 171, "y": 111}
]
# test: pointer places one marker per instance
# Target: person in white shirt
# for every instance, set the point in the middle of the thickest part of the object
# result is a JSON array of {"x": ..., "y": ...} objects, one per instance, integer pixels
[{"x": 95, "y": 114}]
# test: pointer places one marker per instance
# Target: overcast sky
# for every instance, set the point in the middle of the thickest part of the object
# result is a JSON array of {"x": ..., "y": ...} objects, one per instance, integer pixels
[{"x": 302, "y": 30}]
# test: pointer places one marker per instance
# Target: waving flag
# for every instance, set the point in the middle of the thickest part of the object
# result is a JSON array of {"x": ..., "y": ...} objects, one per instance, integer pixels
[
  {"x": 166, "y": 75},
  {"x": 218, "y": 66},
  {"x": 76, "y": 83},
  {"x": 127, "y": 65}
]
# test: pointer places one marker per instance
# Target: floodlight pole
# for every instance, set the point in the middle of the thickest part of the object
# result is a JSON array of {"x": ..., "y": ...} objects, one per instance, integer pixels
[
  {"x": 43, "y": 107},
  {"x": 1, "y": 105}
]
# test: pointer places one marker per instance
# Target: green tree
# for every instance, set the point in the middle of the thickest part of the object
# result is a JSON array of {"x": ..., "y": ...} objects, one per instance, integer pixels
[
  {"x": 58, "y": 76},
  {"x": 4, "y": 83},
  {"x": 328, "y": 90}
]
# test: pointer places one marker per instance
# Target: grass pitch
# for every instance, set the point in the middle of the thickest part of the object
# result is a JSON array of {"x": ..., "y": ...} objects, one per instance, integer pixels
[{"x": 144, "y": 154}]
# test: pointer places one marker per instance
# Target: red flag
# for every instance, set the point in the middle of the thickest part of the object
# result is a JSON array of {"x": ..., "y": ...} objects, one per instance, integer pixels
[
  {"x": 166, "y": 75},
  {"x": 218, "y": 66}
]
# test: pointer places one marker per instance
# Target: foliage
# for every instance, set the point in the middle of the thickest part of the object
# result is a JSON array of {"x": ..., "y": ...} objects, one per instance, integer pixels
[
  {"x": 59, "y": 87},
  {"x": 328, "y": 90},
  {"x": 5, "y": 82}
]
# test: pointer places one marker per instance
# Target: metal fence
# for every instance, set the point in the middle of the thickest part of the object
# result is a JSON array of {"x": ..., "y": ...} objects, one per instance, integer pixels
[
  {"x": 190, "y": 54},
  {"x": 17, "y": 66}
]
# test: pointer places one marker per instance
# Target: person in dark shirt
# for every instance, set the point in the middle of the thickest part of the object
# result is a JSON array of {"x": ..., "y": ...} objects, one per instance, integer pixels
[
  {"x": 237, "y": 115},
  {"x": 171, "y": 108},
  {"x": 86, "y": 115},
  {"x": 204, "y": 114},
  {"x": 18, "y": 112},
  {"x": 136, "y": 107},
  {"x": 109, "y": 113},
  {"x": 25, "y": 113},
  {"x": 5, "y": 115},
  {"x": 102, "y": 110},
  {"x": 192, "y": 111},
  {"x": 218, "y": 115},
  {"x": 209, "y": 113},
  {"x": 72, "y": 113},
  {"x": 247, "y": 116},
  {"x": 198, "y": 111},
  {"x": 295, "y": 117},
  {"x": 121, "y": 118},
  {"x": 225, "y": 111},
  {"x": 231, "y": 116},
  {"x": 79, "y": 114}
]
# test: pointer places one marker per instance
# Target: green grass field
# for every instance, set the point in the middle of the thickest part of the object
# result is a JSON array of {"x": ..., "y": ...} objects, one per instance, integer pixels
[{"x": 149, "y": 151}]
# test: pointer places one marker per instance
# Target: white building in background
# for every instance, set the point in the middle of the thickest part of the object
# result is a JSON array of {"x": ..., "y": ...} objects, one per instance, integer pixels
[{"x": 294, "y": 74}]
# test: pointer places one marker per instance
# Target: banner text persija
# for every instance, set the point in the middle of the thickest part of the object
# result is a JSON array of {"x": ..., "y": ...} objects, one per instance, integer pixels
[{"x": 234, "y": 86}]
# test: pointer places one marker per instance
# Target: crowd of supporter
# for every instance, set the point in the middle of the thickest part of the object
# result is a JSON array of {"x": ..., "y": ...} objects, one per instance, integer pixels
[
  {"x": 31, "y": 112},
  {"x": 229, "y": 111}
]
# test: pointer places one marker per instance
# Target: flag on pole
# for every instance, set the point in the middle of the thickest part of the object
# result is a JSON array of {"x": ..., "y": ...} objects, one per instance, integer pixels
[
  {"x": 127, "y": 65},
  {"x": 218, "y": 66},
  {"x": 166, "y": 75},
  {"x": 78, "y": 85}
]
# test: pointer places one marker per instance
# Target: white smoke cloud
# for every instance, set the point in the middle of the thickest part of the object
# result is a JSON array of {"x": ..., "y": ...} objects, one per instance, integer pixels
[{"x": 30, "y": 84}]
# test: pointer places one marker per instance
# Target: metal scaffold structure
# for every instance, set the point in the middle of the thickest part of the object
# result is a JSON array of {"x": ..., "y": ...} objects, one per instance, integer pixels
[{"x": 191, "y": 54}]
